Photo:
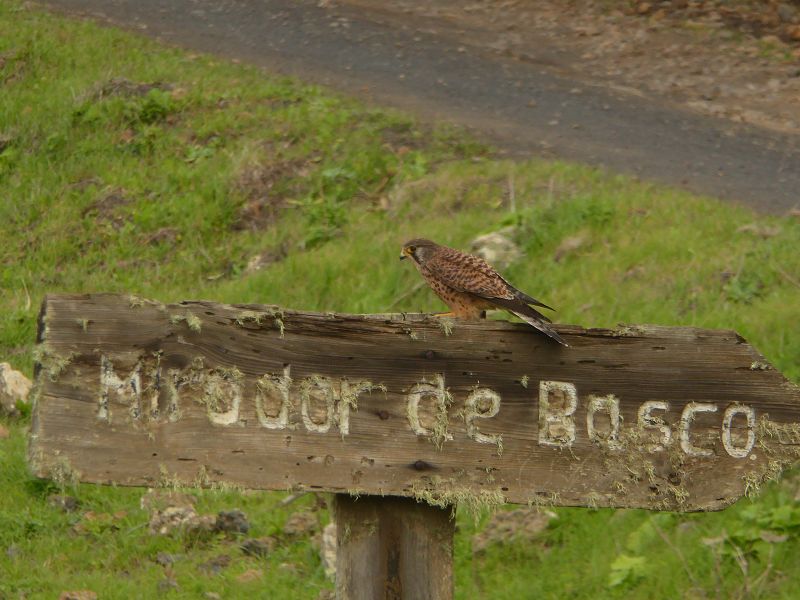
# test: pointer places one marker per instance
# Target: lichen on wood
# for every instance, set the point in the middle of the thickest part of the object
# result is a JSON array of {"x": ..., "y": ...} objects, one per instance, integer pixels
[{"x": 192, "y": 321}]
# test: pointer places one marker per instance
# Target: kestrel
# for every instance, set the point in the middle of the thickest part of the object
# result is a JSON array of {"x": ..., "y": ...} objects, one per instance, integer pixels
[{"x": 470, "y": 286}]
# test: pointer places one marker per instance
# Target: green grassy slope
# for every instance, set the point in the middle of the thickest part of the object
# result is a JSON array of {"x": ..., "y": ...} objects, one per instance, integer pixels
[{"x": 125, "y": 166}]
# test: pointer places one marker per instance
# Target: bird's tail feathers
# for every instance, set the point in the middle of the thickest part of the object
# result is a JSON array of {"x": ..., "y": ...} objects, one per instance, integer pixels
[
  {"x": 541, "y": 326},
  {"x": 531, "y": 316},
  {"x": 528, "y": 299}
]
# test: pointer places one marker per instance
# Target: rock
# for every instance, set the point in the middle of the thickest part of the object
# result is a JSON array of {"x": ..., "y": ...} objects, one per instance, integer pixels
[
  {"x": 200, "y": 527},
  {"x": 250, "y": 575},
  {"x": 14, "y": 387},
  {"x": 216, "y": 564},
  {"x": 264, "y": 259},
  {"x": 523, "y": 523},
  {"x": 174, "y": 511},
  {"x": 232, "y": 521},
  {"x": 300, "y": 524},
  {"x": 212, "y": 596},
  {"x": 327, "y": 550},
  {"x": 78, "y": 595},
  {"x": 65, "y": 503},
  {"x": 497, "y": 248},
  {"x": 164, "y": 522},
  {"x": 569, "y": 245},
  {"x": 260, "y": 547}
]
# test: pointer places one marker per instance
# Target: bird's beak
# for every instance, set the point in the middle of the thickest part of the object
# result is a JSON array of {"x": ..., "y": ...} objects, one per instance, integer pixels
[{"x": 403, "y": 254}]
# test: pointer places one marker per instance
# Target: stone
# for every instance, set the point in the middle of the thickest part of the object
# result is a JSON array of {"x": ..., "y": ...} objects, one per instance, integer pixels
[
  {"x": 232, "y": 521},
  {"x": 174, "y": 511},
  {"x": 497, "y": 248},
  {"x": 523, "y": 524},
  {"x": 14, "y": 387},
  {"x": 200, "y": 527},
  {"x": 260, "y": 547},
  {"x": 569, "y": 245},
  {"x": 300, "y": 524},
  {"x": 215, "y": 565},
  {"x": 164, "y": 522}
]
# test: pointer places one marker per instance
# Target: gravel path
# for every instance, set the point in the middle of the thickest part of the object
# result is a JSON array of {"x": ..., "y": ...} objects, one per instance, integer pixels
[{"x": 525, "y": 107}]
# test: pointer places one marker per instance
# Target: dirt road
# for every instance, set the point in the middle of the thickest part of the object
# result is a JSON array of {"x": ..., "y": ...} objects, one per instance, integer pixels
[{"x": 535, "y": 105}]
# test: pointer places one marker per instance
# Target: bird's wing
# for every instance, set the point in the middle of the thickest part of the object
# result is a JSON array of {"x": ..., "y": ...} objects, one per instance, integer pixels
[
  {"x": 473, "y": 275},
  {"x": 467, "y": 273}
]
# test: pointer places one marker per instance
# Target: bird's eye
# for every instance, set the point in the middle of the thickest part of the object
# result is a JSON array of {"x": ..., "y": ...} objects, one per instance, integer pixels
[{"x": 412, "y": 249}]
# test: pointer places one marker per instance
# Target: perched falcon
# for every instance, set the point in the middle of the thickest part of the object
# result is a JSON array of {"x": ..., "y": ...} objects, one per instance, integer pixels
[{"x": 470, "y": 286}]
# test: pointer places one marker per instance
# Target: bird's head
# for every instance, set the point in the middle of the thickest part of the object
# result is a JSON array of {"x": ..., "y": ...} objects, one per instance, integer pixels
[{"x": 419, "y": 250}]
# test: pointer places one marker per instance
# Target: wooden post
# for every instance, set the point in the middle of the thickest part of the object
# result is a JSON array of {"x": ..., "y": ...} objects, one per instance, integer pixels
[{"x": 393, "y": 548}]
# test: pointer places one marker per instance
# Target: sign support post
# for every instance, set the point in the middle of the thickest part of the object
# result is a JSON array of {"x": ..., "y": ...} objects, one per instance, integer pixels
[{"x": 393, "y": 548}]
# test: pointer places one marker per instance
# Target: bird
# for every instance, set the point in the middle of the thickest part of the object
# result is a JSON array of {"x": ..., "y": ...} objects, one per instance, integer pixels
[{"x": 470, "y": 286}]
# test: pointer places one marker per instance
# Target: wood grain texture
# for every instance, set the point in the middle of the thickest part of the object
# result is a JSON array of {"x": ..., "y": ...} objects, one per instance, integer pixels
[
  {"x": 393, "y": 549},
  {"x": 139, "y": 393}
]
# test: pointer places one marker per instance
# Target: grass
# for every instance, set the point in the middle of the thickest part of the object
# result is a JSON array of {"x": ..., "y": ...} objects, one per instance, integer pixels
[{"x": 127, "y": 166}]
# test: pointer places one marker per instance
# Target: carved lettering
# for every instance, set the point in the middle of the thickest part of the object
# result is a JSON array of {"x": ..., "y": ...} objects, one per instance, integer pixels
[
  {"x": 558, "y": 401},
  {"x": 272, "y": 392},
  {"x": 481, "y": 403},
  {"x": 317, "y": 403},
  {"x": 607, "y": 433},
  {"x": 687, "y": 418},
  {"x": 649, "y": 421},
  {"x": 126, "y": 391},
  {"x": 735, "y": 450}
]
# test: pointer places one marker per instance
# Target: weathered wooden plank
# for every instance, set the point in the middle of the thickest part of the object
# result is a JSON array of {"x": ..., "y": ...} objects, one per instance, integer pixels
[
  {"x": 393, "y": 548},
  {"x": 136, "y": 393}
]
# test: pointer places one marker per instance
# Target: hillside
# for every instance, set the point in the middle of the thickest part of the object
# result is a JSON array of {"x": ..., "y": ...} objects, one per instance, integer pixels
[{"x": 129, "y": 166}]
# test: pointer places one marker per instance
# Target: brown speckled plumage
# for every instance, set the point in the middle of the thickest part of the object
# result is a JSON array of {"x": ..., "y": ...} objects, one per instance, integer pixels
[{"x": 470, "y": 286}]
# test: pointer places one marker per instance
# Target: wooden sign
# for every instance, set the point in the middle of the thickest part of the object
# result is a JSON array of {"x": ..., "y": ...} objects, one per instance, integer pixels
[{"x": 134, "y": 392}]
